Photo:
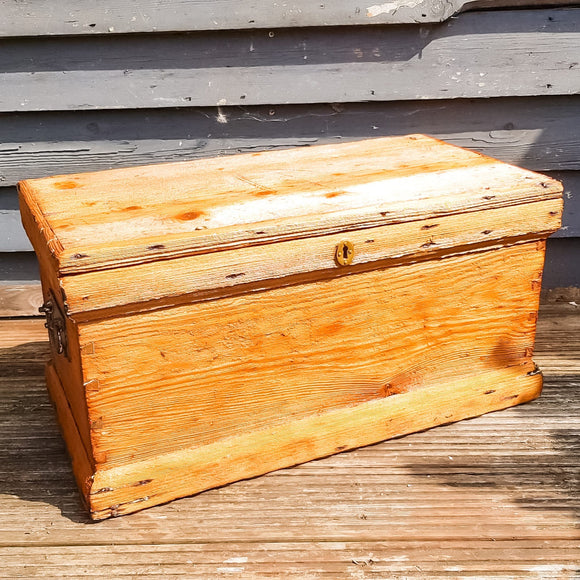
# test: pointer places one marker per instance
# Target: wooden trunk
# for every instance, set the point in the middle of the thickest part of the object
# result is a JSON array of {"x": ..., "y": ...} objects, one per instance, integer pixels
[{"x": 218, "y": 319}]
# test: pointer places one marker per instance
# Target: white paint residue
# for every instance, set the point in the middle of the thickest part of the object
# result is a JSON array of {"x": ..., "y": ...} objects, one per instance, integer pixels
[
  {"x": 241, "y": 560},
  {"x": 221, "y": 118},
  {"x": 374, "y": 196},
  {"x": 230, "y": 570},
  {"x": 545, "y": 570},
  {"x": 371, "y": 195},
  {"x": 390, "y": 7}
]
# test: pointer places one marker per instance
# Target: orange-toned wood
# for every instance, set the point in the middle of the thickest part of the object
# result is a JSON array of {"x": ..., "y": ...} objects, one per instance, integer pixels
[
  {"x": 129, "y": 488},
  {"x": 129, "y": 216},
  {"x": 69, "y": 367},
  {"x": 47, "y": 245},
  {"x": 278, "y": 374},
  {"x": 83, "y": 465},
  {"x": 215, "y": 336},
  {"x": 194, "y": 374},
  {"x": 154, "y": 284}
]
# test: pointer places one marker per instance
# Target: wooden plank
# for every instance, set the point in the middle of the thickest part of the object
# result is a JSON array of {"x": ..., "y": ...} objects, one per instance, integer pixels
[
  {"x": 145, "y": 448},
  {"x": 83, "y": 463},
  {"x": 535, "y": 52},
  {"x": 560, "y": 295},
  {"x": 148, "y": 213},
  {"x": 20, "y": 292},
  {"x": 504, "y": 484},
  {"x": 561, "y": 274},
  {"x": 24, "y": 299},
  {"x": 196, "y": 278},
  {"x": 20, "y": 299},
  {"x": 394, "y": 559},
  {"x": 28, "y": 18},
  {"x": 70, "y": 398},
  {"x": 18, "y": 241},
  {"x": 541, "y": 133}
]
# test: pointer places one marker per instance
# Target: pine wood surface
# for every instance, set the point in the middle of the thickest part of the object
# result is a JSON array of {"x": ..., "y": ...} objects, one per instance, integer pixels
[
  {"x": 328, "y": 358},
  {"x": 274, "y": 357},
  {"x": 193, "y": 278},
  {"x": 293, "y": 374},
  {"x": 277, "y": 374},
  {"x": 492, "y": 497},
  {"x": 101, "y": 220}
]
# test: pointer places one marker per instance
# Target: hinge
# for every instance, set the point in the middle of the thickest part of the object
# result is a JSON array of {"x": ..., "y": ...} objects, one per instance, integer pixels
[{"x": 56, "y": 325}]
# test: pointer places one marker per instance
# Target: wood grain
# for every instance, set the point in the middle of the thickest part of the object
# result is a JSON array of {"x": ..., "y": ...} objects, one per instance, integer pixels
[
  {"x": 304, "y": 358},
  {"x": 505, "y": 560},
  {"x": 125, "y": 489},
  {"x": 82, "y": 462},
  {"x": 505, "y": 484},
  {"x": 18, "y": 240},
  {"x": 154, "y": 285},
  {"x": 534, "y": 53},
  {"x": 68, "y": 364},
  {"x": 20, "y": 299},
  {"x": 312, "y": 329},
  {"x": 152, "y": 213},
  {"x": 70, "y": 399},
  {"x": 27, "y": 18}
]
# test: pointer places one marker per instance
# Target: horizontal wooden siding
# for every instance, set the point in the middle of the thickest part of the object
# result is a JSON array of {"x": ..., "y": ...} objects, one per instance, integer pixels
[{"x": 503, "y": 82}]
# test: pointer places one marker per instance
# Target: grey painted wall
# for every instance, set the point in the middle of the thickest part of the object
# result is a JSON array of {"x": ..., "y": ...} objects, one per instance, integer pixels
[
  {"x": 503, "y": 82},
  {"x": 539, "y": 133},
  {"x": 79, "y": 17},
  {"x": 476, "y": 55}
]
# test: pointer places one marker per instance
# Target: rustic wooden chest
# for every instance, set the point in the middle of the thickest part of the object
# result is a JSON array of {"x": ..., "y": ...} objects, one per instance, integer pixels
[{"x": 217, "y": 319}]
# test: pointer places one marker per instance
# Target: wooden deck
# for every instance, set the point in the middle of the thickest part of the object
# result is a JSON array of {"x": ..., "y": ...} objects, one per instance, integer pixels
[{"x": 493, "y": 497}]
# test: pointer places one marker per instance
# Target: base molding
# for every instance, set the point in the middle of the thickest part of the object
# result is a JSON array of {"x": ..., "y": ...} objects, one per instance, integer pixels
[
  {"x": 24, "y": 299},
  {"x": 83, "y": 465},
  {"x": 128, "y": 488}
]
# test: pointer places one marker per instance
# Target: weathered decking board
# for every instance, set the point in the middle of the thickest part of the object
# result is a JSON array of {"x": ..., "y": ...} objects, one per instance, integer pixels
[
  {"x": 494, "y": 497},
  {"x": 29, "y": 18},
  {"x": 483, "y": 54}
]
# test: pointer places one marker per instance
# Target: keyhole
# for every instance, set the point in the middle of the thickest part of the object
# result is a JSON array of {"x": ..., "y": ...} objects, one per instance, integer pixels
[{"x": 344, "y": 253}]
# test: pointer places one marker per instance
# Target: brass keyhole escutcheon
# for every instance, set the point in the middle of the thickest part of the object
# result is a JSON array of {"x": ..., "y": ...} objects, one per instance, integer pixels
[{"x": 344, "y": 253}]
